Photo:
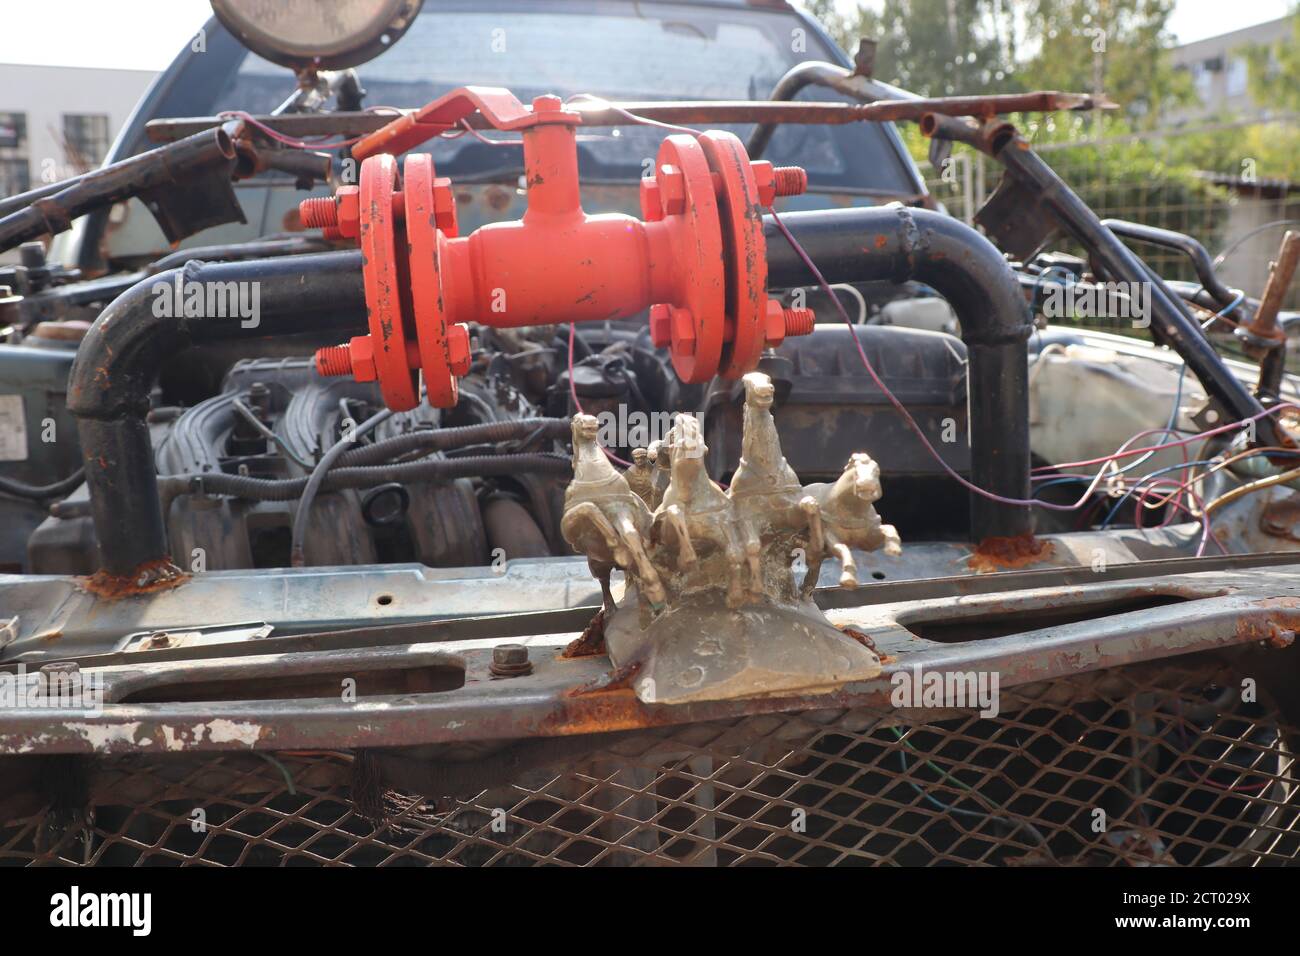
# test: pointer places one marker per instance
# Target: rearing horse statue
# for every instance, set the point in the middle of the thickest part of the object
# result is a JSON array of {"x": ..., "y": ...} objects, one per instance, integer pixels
[
  {"x": 604, "y": 519},
  {"x": 846, "y": 518},
  {"x": 695, "y": 509}
]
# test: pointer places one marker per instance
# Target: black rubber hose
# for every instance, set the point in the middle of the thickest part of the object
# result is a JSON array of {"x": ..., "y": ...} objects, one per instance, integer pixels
[
  {"x": 57, "y": 489},
  {"x": 297, "y": 557},
  {"x": 436, "y": 469},
  {"x": 443, "y": 439}
]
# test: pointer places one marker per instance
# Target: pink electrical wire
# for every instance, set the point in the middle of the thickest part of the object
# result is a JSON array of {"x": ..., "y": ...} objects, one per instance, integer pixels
[
  {"x": 291, "y": 141},
  {"x": 573, "y": 394}
]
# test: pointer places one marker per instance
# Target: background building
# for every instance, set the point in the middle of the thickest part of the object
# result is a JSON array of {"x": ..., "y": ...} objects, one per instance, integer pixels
[
  {"x": 58, "y": 121},
  {"x": 1219, "y": 71}
]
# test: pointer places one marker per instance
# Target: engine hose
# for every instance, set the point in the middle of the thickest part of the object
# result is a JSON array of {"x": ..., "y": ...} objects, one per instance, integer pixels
[
  {"x": 442, "y": 439},
  {"x": 350, "y": 437},
  {"x": 436, "y": 469},
  {"x": 57, "y": 489}
]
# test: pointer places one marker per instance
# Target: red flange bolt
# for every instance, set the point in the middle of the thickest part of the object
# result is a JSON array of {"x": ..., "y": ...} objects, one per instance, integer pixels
[{"x": 698, "y": 261}]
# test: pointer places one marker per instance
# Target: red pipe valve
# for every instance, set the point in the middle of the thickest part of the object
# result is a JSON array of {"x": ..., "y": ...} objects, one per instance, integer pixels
[{"x": 697, "y": 261}]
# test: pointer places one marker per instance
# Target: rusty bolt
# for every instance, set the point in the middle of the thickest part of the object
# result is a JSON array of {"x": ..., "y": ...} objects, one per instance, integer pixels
[
  {"x": 790, "y": 180},
  {"x": 159, "y": 639},
  {"x": 61, "y": 667},
  {"x": 510, "y": 660},
  {"x": 672, "y": 190}
]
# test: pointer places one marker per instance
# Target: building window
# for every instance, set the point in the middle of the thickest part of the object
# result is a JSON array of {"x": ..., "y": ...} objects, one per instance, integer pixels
[
  {"x": 13, "y": 130},
  {"x": 85, "y": 139},
  {"x": 14, "y": 177},
  {"x": 1236, "y": 76}
]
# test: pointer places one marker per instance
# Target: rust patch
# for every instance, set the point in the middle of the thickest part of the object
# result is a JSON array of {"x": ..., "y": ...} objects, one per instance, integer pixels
[
  {"x": 591, "y": 642},
  {"x": 865, "y": 640},
  {"x": 1281, "y": 519},
  {"x": 619, "y": 679},
  {"x": 998, "y": 554},
  {"x": 602, "y": 713},
  {"x": 1277, "y": 632},
  {"x": 148, "y": 578}
]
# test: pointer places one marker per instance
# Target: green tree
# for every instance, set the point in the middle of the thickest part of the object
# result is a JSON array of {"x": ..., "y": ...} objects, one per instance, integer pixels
[
  {"x": 1119, "y": 47},
  {"x": 1275, "y": 69},
  {"x": 932, "y": 47}
]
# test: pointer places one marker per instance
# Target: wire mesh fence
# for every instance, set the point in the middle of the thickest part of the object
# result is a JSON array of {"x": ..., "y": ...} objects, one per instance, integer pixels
[
  {"x": 1241, "y": 215},
  {"x": 1146, "y": 765}
]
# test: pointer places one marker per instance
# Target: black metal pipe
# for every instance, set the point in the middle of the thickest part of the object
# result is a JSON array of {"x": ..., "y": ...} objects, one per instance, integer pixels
[
  {"x": 895, "y": 243},
  {"x": 864, "y": 89},
  {"x": 1179, "y": 242},
  {"x": 1171, "y": 321},
  {"x": 119, "y": 359},
  {"x": 236, "y": 251},
  {"x": 51, "y": 209}
]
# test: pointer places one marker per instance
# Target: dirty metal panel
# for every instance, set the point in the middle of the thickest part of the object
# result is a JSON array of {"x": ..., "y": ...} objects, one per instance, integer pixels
[
  {"x": 1184, "y": 771},
  {"x": 445, "y": 692}
]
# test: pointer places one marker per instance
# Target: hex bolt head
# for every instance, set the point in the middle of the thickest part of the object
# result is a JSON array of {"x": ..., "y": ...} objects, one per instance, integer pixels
[
  {"x": 652, "y": 203},
  {"x": 510, "y": 660},
  {"x": 661, "y": 325},
  {"x": 459, "y": 352},
  {"x": 61, "y": 667},
  {"x": 672, "y": 190},
  {"x": 683, "y": 323}
]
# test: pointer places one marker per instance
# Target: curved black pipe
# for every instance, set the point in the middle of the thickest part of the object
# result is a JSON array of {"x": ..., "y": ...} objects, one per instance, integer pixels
[
  {"x": 1180, "y": 242},
  {"x": 119, "y": 359},
  {"x": 897, "y": 243},
  {"x": 864, "y": 89}
]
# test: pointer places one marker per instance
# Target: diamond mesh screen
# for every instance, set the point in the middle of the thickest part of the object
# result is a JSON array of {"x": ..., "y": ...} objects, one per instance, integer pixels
[{"x": 1162, "y": 765}]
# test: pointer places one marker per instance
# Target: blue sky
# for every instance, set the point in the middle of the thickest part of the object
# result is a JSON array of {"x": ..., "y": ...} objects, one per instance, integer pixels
[{"x": 145, "y": 34}]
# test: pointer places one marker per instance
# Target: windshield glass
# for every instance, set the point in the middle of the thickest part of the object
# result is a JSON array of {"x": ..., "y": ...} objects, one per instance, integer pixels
[{"x": 615, "y": 50}]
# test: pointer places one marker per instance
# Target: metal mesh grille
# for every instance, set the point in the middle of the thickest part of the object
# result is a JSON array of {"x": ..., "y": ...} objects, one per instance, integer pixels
[{"x": 1153, "y": 765}]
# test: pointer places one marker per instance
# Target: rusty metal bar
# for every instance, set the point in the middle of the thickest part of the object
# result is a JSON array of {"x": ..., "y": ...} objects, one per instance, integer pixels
[
  {"x": 1263, "y": 327},
  {"x": 597, "y": 114}
]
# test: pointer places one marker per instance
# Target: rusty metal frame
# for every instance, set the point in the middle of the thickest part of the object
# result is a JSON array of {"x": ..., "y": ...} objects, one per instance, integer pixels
[{"x": 1104, "y": 625}]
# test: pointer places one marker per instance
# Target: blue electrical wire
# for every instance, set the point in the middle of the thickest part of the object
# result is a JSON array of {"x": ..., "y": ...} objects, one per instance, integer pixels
[{"x": 1145, "y": 478}]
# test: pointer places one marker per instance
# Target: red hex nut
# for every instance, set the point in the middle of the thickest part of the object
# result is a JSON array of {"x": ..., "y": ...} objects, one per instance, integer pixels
[
  {"x": 458, "y": 351},
  {"x": 349, "y": 211},
  {"x": 444, "y": 206},
  {"x": 661, "y": 326},
  {"x": 652, "y": 208},
  {"x": 683, "y": 330},
  {"x": 672, "y": 190},
  {"x": 774, "y": 181}
]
